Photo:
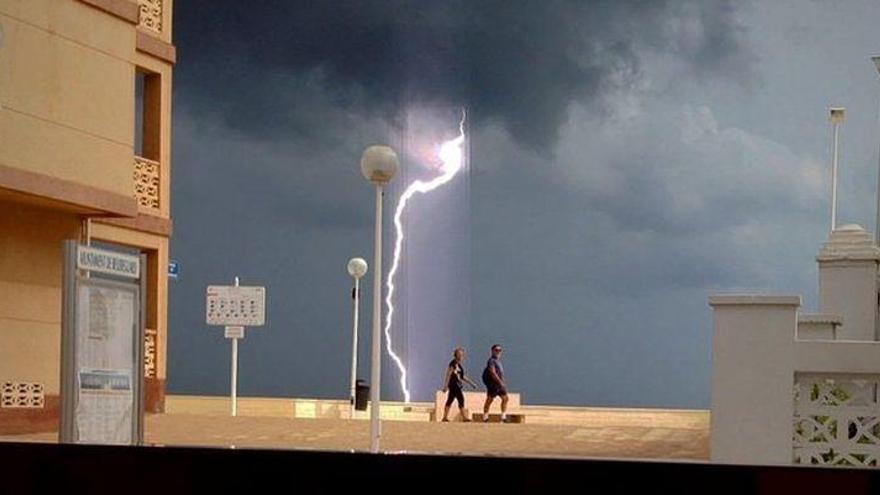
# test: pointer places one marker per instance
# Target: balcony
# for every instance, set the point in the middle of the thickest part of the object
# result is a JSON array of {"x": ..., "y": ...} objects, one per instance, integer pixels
[
  {"x": 151, "y": 16},
  {"x": 146, "y": 184}
]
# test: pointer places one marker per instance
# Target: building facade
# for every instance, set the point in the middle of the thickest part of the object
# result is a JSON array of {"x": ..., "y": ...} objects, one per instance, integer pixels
[{"x": 85, "y": 153}]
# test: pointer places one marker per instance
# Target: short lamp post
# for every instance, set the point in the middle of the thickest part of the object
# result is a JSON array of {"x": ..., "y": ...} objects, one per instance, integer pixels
[{"x": 357, "y": 268}]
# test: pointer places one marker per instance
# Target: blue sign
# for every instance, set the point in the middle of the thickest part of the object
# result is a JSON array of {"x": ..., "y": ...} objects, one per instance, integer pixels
[{"x": 173, "y": 269}]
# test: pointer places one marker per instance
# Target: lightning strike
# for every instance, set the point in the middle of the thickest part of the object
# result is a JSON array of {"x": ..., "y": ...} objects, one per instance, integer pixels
[{"x": 451, "y": 156}]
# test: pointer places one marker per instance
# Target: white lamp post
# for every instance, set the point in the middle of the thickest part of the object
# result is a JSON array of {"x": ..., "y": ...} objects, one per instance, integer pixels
[
  {"x": 378, "y": 164},
  {"x": 838, "y": 115},
  {"x": 876, "y": 61},
  {"x": 357, "y": 268}
]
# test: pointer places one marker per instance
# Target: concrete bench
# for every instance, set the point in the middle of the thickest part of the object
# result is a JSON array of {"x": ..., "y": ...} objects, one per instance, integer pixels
[{"x": 473, "y": 406}]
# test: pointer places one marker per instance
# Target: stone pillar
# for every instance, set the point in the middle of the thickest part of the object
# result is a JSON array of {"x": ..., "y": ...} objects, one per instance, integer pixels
[
  {"x": 848, "y": 282},
  {"x": 753, "y": 378}
]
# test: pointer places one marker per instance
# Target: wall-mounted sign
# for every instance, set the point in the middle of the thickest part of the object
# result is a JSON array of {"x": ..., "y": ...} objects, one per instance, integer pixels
[{"x": 173, "y": 269}]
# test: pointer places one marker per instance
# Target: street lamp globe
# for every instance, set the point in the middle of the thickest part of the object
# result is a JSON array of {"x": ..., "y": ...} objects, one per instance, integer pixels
[
  {"x": 379, "y": 164},
  {"x": 357, "y": 267}
]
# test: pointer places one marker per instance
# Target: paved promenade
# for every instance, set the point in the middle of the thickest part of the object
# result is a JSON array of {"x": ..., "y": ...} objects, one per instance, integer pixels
[{"x": 617, "y": 433}]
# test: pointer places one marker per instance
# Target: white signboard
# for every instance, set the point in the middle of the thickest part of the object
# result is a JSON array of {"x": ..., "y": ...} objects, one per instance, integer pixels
[
  {"x": 235, "y": 306},
  {"x": 109, "y": 262}
]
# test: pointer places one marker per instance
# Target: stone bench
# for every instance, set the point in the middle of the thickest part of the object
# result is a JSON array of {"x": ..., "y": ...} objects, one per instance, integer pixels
[{"x": 473, "y": 406}]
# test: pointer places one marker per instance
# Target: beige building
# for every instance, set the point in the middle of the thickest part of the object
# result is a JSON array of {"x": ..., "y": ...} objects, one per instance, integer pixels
[{"x": 85, "y": 153}]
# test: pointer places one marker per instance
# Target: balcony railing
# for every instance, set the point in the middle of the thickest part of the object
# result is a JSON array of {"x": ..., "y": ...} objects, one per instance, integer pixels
[
  {"x": 151, "y": 15},
  {"x": 836, "y": 419},
  {"x": 146, "y": 183}
]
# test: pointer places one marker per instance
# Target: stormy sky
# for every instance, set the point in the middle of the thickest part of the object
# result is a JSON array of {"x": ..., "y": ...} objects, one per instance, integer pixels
[{"x": 626, "y": 159}]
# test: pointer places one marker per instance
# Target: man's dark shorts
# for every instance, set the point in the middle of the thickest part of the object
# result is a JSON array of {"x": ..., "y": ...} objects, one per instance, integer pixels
[{"x": 495, "y": 390}]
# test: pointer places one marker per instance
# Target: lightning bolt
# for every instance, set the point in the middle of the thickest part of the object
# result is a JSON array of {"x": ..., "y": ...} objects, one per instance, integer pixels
[{"x": 451, "y": 155}]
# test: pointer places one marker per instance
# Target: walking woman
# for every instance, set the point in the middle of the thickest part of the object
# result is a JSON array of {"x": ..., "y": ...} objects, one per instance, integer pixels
[{"x": 455, "y": 379}]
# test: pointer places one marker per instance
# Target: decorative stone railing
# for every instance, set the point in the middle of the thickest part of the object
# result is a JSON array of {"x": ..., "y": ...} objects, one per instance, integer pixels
[
  {"x": 836, "y": 420},
  {"x": 151, "y": 15},
  {"x": 22, "y": 395},
  {"x": 146, "y": 183}
]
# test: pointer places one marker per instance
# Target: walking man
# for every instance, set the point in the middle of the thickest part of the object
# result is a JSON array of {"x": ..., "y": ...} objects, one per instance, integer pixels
[{"x": 493, "y": 378}]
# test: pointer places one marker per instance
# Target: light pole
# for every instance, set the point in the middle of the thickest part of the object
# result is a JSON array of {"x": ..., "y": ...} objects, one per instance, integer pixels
[
  {"x": 838, "y": 115},
  {"x": 876, "y": 61},
  {"x": 357, "y": 268},
  {"x": 378, "y": 164}
]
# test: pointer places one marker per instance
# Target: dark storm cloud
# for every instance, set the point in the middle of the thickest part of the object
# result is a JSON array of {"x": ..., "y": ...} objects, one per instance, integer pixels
[
  {"x": 597, "y": 222},
  {"x": 517, "y": 63}
]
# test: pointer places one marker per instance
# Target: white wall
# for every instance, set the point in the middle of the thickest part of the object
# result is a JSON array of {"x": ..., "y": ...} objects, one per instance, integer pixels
[{"x": 752, "y": 382}]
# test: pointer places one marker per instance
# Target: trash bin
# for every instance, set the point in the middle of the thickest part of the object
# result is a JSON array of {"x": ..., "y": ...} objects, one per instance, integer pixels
[{"x": 361, "y": 395}]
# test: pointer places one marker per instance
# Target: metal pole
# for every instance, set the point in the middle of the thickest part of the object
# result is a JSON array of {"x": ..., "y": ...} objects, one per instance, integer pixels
[
  {"x": 834, "y": 178},
  {"x": 375, "y": 378},
  {"x": 876, "y": 61},
  {"x": 877, "y": 224},
  {"x": 234, "y": 386},
  {"x": 138, "y": 418},
  {"x": 87, "y": 230},
  {"x": 354, "y": 346},
  {"x": 67, "y": 432}
]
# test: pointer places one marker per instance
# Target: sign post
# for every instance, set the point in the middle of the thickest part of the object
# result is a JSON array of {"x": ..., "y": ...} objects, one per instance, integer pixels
[
  {"x": 235, "y": 307},
  {"x": 234, "y": 335}
]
